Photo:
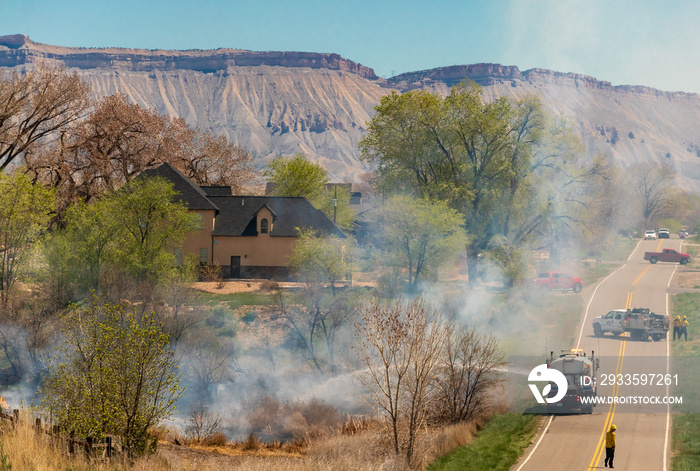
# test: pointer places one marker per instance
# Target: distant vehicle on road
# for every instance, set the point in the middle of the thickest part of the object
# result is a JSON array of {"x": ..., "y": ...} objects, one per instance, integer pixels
[
  {"x": 683, "y": 234},
  {"x": 650, "y": 235},
  {"x": 667, "y": 255},
  {"x": 664, "y": 233},
  {"x": 556, "y": 280}
]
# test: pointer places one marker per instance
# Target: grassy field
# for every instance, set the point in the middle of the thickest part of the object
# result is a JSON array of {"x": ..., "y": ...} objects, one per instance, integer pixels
[
  {"x": 497, "y": 446},
  {"x": 685, "y": 438}
]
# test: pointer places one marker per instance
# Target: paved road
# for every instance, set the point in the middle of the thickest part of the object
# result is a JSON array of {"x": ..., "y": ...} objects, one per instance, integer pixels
[{"x": 575, "y": 442}]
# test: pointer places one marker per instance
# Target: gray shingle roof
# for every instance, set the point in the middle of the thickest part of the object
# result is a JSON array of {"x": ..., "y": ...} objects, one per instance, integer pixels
[
  {"x": 237, "y": 212},
  {"x": 190, "y": 194}
]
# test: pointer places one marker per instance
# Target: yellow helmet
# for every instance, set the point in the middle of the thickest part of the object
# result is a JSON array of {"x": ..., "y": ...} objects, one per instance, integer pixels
[
  {"x": 612, "y": 427},
  {"x": 685, "y": 317},
  {"x": 678, "y": 317}
]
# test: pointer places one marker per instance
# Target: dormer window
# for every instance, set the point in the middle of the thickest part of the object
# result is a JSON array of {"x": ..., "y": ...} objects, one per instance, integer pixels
[{"x": 264, "y": 226}]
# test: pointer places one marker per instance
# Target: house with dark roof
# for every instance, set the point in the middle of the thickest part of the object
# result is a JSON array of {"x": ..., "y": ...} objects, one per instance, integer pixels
[{"x": 249, "y": 236}]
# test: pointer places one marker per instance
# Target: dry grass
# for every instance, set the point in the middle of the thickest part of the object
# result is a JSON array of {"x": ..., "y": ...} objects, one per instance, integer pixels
[
  {"x": 356, "y": 444},
  {"x": 25, "y": 449}
]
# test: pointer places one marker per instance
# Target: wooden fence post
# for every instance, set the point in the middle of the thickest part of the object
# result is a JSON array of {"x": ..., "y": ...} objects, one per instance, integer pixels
[
  {"x": 109, "y": 447},
  {"x": 37, "y": 424},
  {"x": 88, "y": 447},
  {"x": 71, "y": 443}
]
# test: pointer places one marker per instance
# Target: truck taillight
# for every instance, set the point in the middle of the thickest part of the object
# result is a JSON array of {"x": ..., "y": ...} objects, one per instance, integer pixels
[{"x": 578, "y": 398}]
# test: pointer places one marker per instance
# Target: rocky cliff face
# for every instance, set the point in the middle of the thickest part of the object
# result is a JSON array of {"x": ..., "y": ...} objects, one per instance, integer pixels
[{"x": 280, "y": 103}]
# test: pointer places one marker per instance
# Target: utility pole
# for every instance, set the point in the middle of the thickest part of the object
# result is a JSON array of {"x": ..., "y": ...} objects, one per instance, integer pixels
[{"x": 335, "y": 201}]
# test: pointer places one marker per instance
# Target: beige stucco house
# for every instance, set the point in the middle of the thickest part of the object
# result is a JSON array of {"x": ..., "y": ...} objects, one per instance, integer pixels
[{"x": 248, "y": 236}]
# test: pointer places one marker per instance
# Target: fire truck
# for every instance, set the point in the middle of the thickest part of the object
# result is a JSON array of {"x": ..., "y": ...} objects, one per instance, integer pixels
[{"x": 580, "y": 372}]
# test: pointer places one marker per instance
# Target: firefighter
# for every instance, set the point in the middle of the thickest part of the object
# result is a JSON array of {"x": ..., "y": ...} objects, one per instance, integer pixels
[
  {"x": 610, "y": 446},
  {"x": 677, "y": 327},
  {"x": 684, "y": 328}
]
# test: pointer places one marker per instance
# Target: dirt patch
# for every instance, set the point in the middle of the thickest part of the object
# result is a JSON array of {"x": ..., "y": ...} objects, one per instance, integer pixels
[{"x": 237, "y": 286}]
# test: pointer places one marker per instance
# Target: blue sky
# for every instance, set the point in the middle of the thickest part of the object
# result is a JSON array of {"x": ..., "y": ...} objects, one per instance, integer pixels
[{"x": 637, "y": 42}]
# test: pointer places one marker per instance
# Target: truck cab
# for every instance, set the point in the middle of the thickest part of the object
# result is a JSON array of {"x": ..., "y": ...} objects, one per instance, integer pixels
[{"x": 610, "y": 322}]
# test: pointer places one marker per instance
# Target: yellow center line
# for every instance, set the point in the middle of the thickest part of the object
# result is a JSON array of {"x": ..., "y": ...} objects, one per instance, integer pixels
[
  {"x": 618, "y": 369},
  {"x": 611, "y": 411}
]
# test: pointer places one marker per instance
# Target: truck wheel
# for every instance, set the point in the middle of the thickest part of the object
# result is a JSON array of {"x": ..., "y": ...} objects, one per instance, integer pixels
[
  {"x": 653, "y": 260},
  {"x": 577, "y": 287},
  {"x": 616, "y": 334},
  {"x": 684, "y": 261},
  {"x": 656, "y": 337},
  {"x": 597, "y": 330}
]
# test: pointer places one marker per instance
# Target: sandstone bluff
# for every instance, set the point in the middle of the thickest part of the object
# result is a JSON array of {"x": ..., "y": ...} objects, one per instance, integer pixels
[{"x": 280, "y": 103}]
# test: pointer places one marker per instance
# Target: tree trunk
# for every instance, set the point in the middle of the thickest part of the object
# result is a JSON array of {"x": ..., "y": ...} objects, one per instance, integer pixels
[{"x": 472, "y": 264}]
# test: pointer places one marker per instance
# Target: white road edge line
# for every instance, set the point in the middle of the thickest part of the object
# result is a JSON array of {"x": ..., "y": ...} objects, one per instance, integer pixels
[
  {"x": 590, "y": 301},
  {"x": 544, "y": 432},
  {"x": 668, "y": 367},
  {"x": 583, "y": 324}
]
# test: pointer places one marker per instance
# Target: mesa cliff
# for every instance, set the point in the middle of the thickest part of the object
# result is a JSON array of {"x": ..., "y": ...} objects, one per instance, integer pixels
[{"x": 281, "y": 103}]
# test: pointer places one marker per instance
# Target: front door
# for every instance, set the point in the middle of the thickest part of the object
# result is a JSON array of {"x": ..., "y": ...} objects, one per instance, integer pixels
[{"x": 235, "y": 266}]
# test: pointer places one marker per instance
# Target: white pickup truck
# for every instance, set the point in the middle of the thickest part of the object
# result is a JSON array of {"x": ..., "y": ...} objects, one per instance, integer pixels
[{"x": 641, "y": 323}]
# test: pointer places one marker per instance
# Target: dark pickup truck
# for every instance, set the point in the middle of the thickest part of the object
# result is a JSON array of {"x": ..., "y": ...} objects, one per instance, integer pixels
[{"x": 667, "y": 255}]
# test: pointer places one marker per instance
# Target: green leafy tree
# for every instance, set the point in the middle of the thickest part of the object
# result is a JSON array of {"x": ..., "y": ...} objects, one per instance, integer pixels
[
  {"x": 503, "y": 165},
  {"x": 421, "y": 234},
  {"x": 116, "y": 375},
  {"x": 460, "y": 149},
  {"x": 297, "y": 176},
  {"x": 25, "y": 210},
  {"x": 132, "y": 231},
  {"x": 149, "y": 226}
]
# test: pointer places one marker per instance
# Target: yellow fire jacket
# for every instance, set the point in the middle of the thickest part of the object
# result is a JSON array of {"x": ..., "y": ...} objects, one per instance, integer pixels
[{"x": 610, "y": 440}]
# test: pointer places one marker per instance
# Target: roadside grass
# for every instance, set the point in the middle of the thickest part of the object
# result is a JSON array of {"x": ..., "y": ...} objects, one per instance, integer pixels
[
  {"x": 497, "y": 446},
  {"x": 685, "y": 433},
  {"x": 620, "y": 250}
]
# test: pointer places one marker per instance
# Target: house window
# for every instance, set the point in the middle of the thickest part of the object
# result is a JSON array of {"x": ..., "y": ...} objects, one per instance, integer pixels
[
  {"x": 264, "y": 226},
  {"x": 199, "y": 221},
  {"x": 203, "y": 256},
  {"x": 178, "y": 257}
]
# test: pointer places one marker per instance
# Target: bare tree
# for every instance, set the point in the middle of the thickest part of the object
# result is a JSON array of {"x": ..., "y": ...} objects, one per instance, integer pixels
[
  {"x": 652, "y": 183},
  {"x": 211, "y": 361},
  {"x": 466, "y": 376},
  {"x": 400, "y": 345},
  {"x": 119, "y": 139},
  {"x": 34, "y": 106}
]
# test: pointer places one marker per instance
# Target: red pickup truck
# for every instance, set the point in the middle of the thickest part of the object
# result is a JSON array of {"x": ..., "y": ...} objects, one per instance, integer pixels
[
  {"x": 667, "y": 255},
  {"x": 559, "y": 281}
]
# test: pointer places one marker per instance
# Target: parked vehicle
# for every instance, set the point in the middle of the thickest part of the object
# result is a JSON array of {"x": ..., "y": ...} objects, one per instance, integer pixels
[
  {"x": 667, "y": 255},
  {"x": 580, "y": 372},
  {"x": 556, "y": 280},
  {"x": 664, "y": 233},
  {"x": 641, "y": 323},
  {"x": 650, "y": 235}
]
